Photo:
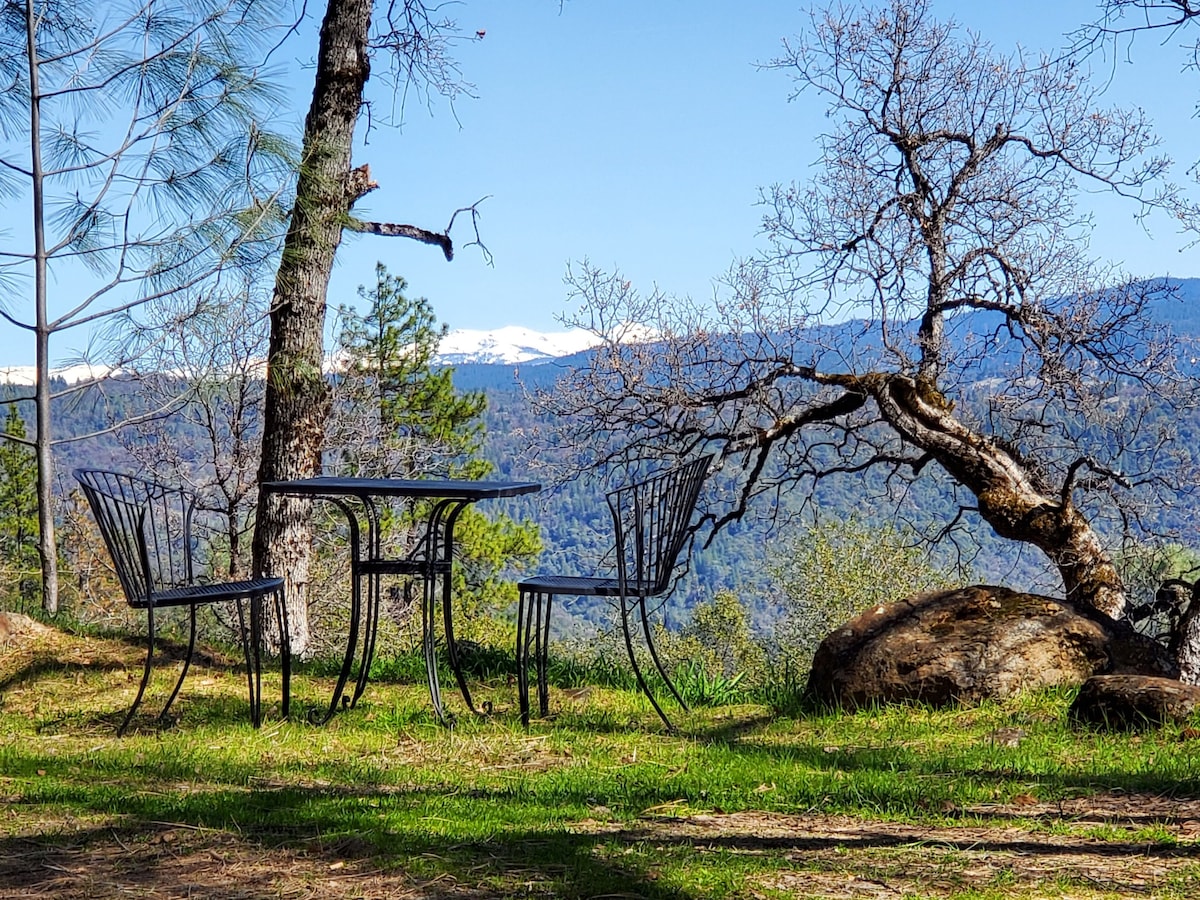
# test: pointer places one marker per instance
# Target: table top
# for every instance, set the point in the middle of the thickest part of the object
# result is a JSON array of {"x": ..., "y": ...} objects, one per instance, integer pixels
[{"x": 440, "y": 488}]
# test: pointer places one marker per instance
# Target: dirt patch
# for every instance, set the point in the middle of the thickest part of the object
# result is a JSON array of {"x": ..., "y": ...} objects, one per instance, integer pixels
[
  {"x": 15, "y": 627},
  {"x": 1037, "y": 850},
  {"x": 174, "y": 861},
  {"x": 1031, "y": 851}
]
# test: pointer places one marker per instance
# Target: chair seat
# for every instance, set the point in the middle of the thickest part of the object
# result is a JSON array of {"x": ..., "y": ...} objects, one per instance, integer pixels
[
  {"x": 212, "y": 593},
  {"x": 583, "y": 586}
]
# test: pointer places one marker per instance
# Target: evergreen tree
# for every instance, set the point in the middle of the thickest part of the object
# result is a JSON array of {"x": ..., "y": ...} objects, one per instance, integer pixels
[
  {"x": 19, "y": 558},
  {"x": 396, "y": 413},
  {"x": 129, "y": 135}
]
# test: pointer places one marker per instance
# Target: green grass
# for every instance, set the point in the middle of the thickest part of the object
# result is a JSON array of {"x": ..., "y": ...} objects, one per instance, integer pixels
[{"x": 598, "y": 801}]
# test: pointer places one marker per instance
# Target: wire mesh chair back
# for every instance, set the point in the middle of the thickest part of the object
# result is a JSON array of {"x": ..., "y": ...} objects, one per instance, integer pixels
[
  {"x": 650, "y": 520},
  {"x": 147, "y": 528}
]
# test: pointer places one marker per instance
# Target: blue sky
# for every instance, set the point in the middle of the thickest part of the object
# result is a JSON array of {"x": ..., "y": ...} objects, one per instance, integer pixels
[{"x": 636, "y": 134}]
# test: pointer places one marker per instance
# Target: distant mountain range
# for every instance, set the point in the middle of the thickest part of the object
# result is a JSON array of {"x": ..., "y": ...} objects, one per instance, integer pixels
[
  {"x": 70, "y": 374},
  {"x": 509, "y": 346},
  {"x": 515, "y": 345}
]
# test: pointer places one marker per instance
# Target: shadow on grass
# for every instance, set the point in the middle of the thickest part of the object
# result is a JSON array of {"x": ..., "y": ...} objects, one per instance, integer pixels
[
  {"x": 442, "y": 843},
  {"x": 49, "y": 663},
  {"x": 193, "y": 706},
  {"x": 106, "y": 652},
  {"x": 325, "y": 831}
]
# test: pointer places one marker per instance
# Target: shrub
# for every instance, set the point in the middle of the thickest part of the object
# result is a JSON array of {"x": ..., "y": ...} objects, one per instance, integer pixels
[{"x": 832, "y": 573}]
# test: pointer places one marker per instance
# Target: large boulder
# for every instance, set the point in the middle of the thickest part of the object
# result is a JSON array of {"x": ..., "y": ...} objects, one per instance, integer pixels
[{"x": 974, "y": 643}]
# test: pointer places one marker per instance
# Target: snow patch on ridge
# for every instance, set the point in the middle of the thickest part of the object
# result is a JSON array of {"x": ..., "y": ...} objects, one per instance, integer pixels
[{"x": 510, "y": 345}]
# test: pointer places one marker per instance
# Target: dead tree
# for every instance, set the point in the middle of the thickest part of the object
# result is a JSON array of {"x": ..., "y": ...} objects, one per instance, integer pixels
[{"x": 926, "y": 306}]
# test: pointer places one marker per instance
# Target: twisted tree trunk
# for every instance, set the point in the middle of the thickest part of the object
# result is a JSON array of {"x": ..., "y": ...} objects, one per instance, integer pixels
[{"x": 1013, "y": 498}]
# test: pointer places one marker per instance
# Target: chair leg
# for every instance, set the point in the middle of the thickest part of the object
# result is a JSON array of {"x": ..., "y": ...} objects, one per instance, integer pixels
[
  {"x": 533, "y": 629},
  {"x": 637, "y": 670},
  {"x": 542, "y": 648},
  {"x": 285, "y": 652},
  {"x": 145, "y": 672},
  {"x": 256, "y": 652},
  {"x": 524, "y": 636},
  {"x": 654, "y": 654},
  {"x": 248, "y": 636},
  {"x": 187, "y": 662}
]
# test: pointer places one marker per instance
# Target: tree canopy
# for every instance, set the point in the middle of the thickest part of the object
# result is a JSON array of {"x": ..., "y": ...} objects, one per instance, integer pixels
[{"x": 132, "y": 133}]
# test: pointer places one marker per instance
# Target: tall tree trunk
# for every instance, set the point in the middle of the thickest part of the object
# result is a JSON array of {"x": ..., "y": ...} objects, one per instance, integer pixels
[
  {"x": 297, "y": 396},
  {"x": 1012, "y": 498},
  {"x": 47, "y": 545}
]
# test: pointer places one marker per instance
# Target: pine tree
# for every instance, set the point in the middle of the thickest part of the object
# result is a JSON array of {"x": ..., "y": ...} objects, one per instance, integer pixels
[
  {"x": 396, "y": 413},
  {"x": 19, "y": 558}
]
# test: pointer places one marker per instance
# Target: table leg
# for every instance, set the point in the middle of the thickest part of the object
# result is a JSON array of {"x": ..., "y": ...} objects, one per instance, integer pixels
[
  {"x": 429, "y": 643},
  {"x": 374, "y": 595},
  {"x": 355, "y": 611},
  {"x": 447, "y": 617}
]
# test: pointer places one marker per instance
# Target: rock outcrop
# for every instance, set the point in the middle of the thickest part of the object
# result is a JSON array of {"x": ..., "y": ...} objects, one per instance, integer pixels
[{"x": 974, "y": 643}]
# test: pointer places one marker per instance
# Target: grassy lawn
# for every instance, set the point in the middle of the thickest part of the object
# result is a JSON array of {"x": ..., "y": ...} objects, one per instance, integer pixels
[{"x": 1000, "y": 801}]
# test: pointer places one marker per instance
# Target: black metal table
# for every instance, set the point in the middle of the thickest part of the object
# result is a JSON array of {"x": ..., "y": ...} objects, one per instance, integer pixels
[{"x": 429, "y": 560}]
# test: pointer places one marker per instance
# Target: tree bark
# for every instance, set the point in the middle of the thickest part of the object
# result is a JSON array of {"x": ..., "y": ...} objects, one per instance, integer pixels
[
  {"x": 1185, "y": 642},
  {"x": 297, "y": 396},
  {"x": 1012, "y": 499},
  {"x": 47, "y": 543}
]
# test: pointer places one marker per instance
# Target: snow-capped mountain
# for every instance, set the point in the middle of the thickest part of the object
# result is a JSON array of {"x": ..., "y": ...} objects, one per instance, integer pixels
[
  {"x": 504, "y": 346},
  {"x": 511, "y": 345},
  {"x": 27, "y": 375}
]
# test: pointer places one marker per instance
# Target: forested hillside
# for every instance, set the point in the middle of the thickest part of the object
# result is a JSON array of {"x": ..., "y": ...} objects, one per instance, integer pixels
[
  {"x": 574, "y": 520},
  {"x": 576, "y": 528},
  {"x": 738, "y": 558}
]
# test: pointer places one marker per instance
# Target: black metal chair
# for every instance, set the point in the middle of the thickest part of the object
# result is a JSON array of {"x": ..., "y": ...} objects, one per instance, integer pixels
[
  {"x": 650, "y": 520},
  {"x": 147, "y": 528}
]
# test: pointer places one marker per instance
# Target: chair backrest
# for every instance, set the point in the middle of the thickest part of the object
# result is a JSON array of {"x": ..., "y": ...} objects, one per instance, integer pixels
[
  {"x": 147, "y": 528},
  {"x": 650, "y": 519}
]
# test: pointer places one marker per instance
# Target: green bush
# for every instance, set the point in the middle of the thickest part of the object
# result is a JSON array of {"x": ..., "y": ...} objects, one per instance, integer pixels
[
  {"x": 831, "y": 574},
  {"x": 699, "y": 687}
]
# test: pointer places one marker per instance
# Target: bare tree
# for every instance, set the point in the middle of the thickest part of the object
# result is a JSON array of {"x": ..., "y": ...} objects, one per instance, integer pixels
[
  {"x": 412, "y": 40},
  {"x": 128, "y": 129},
  {"x": 927, "y": 307},
  {"x": 1121, "y": 22},
  {"x": 200, "y": 383}
]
